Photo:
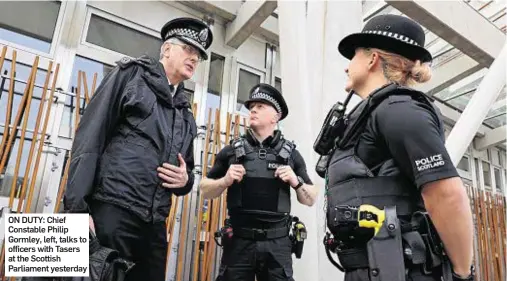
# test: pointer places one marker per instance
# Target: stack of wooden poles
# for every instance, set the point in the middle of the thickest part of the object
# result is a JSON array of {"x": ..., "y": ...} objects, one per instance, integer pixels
[
  {"x": 491, "y": 238},
  {"x": 39, "y": 135}
]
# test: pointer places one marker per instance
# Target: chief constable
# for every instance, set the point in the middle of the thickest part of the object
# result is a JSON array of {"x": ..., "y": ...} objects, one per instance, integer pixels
[
  {"x": 133, "y": 149},
  {"x": 258, "y": 170},
  {"x": 392, "y": 153}
]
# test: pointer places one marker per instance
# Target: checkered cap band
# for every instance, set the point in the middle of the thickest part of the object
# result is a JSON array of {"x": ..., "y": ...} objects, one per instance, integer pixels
[
  {"x": 264, "y": 96},
  {"x": 187, "y": 32},
  {"x": 392, "y": 35}
]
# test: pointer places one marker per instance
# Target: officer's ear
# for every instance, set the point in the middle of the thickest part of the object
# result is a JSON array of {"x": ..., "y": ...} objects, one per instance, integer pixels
[
  {"x": 374, "y": 59},
  {"x": 165, "y": 49}
]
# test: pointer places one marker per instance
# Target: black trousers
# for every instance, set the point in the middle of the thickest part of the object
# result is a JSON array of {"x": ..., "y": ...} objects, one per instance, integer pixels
[
  {"x": 266, "y": 260},
  {"x": 143, "y": 243}
]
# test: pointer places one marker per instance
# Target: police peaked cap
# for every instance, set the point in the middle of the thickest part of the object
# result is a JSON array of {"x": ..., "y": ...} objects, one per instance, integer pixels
[
  {"x": 266, "y": 93},
  {"x": 191, "y": 31},
  {"x": 392, "y": 33}
]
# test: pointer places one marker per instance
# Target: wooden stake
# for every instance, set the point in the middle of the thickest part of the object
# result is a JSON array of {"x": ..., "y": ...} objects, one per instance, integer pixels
[
  {"x": 85, "y": 84},
  {"x": 183, "y": 232},
  {"x": 236, "y": 126},
  {"x": 2, "y": 56},
  {"x": 170, "y": 227},
  {"x": 208, "y": 223},
  {"x": 478, "y": 214},
  {"x": 94, "y": 83},
  {"x": 200, "y": 205},
  {"x": 30, "y": 86},
  {"x": 10, "y": 98},
  {"x": 17, "y": 122},
  {"x": 216, "y": 205},
  {"x": 34, "y": 141}
]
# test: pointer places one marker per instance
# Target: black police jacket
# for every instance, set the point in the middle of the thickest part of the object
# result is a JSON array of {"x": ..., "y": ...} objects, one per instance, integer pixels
[
  {"x": 130, "y": 127},
  {"x": 351, "y": 183}
]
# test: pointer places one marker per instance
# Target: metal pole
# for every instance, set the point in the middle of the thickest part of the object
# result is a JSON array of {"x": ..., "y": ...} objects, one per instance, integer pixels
[{"x": 478, "y": 107}]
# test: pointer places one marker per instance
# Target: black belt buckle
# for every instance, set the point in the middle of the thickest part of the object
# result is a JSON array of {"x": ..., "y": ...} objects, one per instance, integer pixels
[{"x": 259, "y": 234}]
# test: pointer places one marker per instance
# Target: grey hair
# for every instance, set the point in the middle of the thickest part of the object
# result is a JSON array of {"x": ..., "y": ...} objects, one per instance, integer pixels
[{"x": 172, "y": 40}]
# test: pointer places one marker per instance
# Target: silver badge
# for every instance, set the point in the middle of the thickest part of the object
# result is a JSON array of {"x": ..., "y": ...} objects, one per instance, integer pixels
[{"x": 203, "y": 35}]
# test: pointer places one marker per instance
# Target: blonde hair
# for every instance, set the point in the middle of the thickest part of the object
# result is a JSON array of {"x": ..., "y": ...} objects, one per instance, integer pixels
[{"x": 401, "y": 70}]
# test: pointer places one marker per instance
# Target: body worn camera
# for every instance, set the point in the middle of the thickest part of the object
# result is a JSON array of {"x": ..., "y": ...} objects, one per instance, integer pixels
[
  {"x": 333, "y": 127},
  {"x": 332, "y": 130}
]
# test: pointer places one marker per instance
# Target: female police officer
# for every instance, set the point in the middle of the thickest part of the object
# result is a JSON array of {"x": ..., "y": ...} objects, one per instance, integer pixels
[{"x": 391, "y": 153}]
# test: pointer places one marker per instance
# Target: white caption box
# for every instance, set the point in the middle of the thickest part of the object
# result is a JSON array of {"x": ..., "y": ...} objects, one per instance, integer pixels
[{"x": 46, "y": 245}]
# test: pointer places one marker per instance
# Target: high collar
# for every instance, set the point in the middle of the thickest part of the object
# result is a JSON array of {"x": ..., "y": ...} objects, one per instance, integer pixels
[
  {"x": 154, "y": 74},
  {"x": 270, "y": 141}
]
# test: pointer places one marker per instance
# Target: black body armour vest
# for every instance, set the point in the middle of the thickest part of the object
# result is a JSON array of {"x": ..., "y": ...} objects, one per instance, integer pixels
[
  {"x": 351, "y": 183},
  {"x": 260, "y": 192}
]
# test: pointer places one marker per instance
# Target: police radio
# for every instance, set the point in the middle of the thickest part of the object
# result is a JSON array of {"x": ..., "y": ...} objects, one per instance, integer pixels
[{"x": 333, "y": 127}]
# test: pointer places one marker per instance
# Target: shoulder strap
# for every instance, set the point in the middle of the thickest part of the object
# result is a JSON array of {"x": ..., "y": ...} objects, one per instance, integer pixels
[
  {"x": 284, "y": 149},
  {"x": 352, "y": 134},
  {"x": 241, "y": 148}
]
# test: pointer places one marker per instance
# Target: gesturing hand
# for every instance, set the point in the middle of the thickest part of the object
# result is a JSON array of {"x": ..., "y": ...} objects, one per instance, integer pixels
[
  {"x": 286, "y": 174},
  {"x": 173, "y": 176},
  {"x": 234, "y": 173}
]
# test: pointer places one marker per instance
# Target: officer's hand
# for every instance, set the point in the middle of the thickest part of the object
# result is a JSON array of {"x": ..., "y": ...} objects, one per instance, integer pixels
[
  {"x": 286, "y": 174},
  {"x": 234, "y": 173},
  {"x": 173, "y": 176}
]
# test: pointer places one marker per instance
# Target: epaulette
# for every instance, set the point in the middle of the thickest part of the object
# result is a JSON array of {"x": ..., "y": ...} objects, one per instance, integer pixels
[
  {"x": 286, "y": 149},
  {"x": 235, "y": 140},
  {"x": 126, "y": 62}
]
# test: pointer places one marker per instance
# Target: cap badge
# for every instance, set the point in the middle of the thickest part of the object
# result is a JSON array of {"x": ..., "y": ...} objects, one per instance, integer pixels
[{"x": 203, "y": 35}]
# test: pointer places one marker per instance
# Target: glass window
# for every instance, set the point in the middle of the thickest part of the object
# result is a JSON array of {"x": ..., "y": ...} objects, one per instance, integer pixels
[
  {"x": 246, "y": 81},
  {"x": 122, "y": 39},
  {"x": 278, "y": 84},
  {"x": 463, "y": 164},
  {"x": 495, "y": 157},
  {"x": 214, "y": 84},
  {"x": 498, "y": 180},
  {"x": 487, "y": 173},
  {"x": 29, "y": 23},
  {"x": 90, "y": 68}
]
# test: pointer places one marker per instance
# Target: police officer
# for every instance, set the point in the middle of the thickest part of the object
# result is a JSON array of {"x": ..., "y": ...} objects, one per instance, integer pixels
[
  {"x": 133, "y": 149},
  {"x": 258, "y": 170},
  {"x": 391, "y": 152}
]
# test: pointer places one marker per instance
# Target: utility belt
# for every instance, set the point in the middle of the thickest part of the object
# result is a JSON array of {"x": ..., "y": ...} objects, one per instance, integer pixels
[
  {"x": 297, "y": 236},
  {"x": 394, "y": 247}
]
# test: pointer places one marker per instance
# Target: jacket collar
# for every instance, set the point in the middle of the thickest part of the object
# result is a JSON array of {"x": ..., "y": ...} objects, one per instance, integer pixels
[
  {"x": 270, "y": 141},
  {"x": 155, "y": 77}
]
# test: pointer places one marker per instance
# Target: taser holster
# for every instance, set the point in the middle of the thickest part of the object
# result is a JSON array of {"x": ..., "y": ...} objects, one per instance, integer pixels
[{"x": 385, "y": 255}]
